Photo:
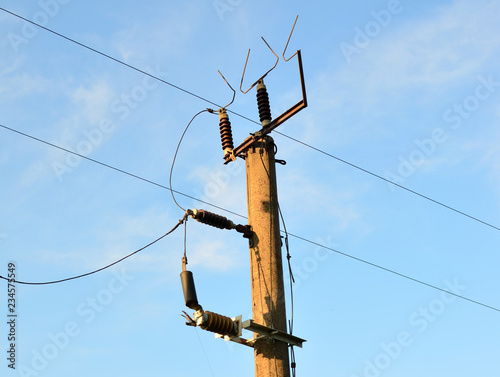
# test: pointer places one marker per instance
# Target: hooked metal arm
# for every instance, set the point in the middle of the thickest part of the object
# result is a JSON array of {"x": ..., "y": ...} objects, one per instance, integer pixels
[{"x": 264, "y": 75}]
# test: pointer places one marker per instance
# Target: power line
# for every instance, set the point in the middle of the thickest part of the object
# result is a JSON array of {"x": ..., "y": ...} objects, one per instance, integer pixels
[
  {"x": 236, "y": 214},
  {"x": 175, "y": 155},
  {"x": 116, "y": 169},
  {"x": 394, "y": 272},
  {"x": 107, "y": 56},
  {"x": 122, "y": 62},
  {"x": 102, "y": 268},
  {"x": 391, "y": 182},
  {"x": 251, "y": 120}
]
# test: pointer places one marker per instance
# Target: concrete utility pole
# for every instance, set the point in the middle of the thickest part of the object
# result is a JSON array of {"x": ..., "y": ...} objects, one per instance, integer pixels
[{"x": 268, "y": 295}]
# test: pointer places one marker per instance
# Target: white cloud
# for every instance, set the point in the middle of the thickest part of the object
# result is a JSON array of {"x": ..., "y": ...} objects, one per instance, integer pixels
[
  {"x": 437, "y": 52},
  {"x": 124, "y": 235},
  {"x": 215, "y": 255},
  {"x": 92, "y": 103},
  {"x": 93, "y": 100},
  {"x": 301, "y": 195},
  {"x": 22, "y": 85},
  {"x": 164, "y": 36},
  {"x": 409, "y": 67},
  {"x": 222, "y": 185},
  {"x": 489, "y": 151},
  {"x": 34, "y": 173},
  {"x": 434, "y": 52}
]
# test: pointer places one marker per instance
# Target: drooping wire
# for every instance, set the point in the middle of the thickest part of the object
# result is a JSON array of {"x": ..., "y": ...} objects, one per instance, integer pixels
[
  {"x": 293, "y": 363},
  {"x": 105, "y": 267},
  {"x": 177, "y": 150},
  {"x": 290, "y": 272},
  {"x": 204, "y": 352}
]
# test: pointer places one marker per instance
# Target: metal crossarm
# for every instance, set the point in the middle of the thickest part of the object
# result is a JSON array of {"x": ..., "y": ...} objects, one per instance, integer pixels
[{"x": 264, "y": 331}]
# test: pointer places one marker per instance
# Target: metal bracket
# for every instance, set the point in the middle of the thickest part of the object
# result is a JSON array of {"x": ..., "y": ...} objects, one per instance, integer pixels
[
  {"x": 246, "y": 230},
  {"x": 302, "y": 104},
  {"x": 268, "y": 332},
  {"x": 263, "y": 331}
]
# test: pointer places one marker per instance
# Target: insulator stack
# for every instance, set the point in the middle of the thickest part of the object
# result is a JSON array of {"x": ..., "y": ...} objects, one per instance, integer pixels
[
  {"x": 263, "y": 104},
  {"x": 218, "y": 324},
  {"x": 226, "y": 134},
  {"x": 212, "y": 219}
]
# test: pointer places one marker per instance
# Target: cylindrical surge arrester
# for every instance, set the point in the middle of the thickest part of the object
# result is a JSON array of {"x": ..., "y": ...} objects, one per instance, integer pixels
[
  {"x": 263, "y": 104},
  {"x": 226, "y": 134},
  {"x": 188, "y": 287},
  {"x": 212, "y": 219},
  {"x": 189, "y": 290}
]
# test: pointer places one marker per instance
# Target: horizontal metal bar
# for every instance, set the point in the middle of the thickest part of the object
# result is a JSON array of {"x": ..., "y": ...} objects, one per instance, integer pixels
[
  {"x": 250, "y": 325},
  {"x": 284, "y": 117}
]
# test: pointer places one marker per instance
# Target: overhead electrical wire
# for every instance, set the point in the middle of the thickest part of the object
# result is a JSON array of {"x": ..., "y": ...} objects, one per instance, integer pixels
[
  {"x": 177, "y": 150},
  {"x": 115, "y": 168},
  {"x": 106, "y": 55},
  {"x": 102, "y": 268},
  {"x": 391, "y": 182},
  {"x": 395, "y": 272},
  {"x": 246, "y": 118},
  {"x": 237, "y": 214},
  {"x": 120, "y": 61}
]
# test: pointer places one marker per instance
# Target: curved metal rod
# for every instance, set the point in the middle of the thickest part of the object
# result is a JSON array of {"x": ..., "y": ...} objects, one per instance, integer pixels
[
  {"x": 290, "y": 36},
  {"x": 234, "y": 91},
  {"x": 264, "y": 75}
]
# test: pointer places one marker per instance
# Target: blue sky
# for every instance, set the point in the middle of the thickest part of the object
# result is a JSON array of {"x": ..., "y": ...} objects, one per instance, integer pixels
[{"x": 406, "y": 90}]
